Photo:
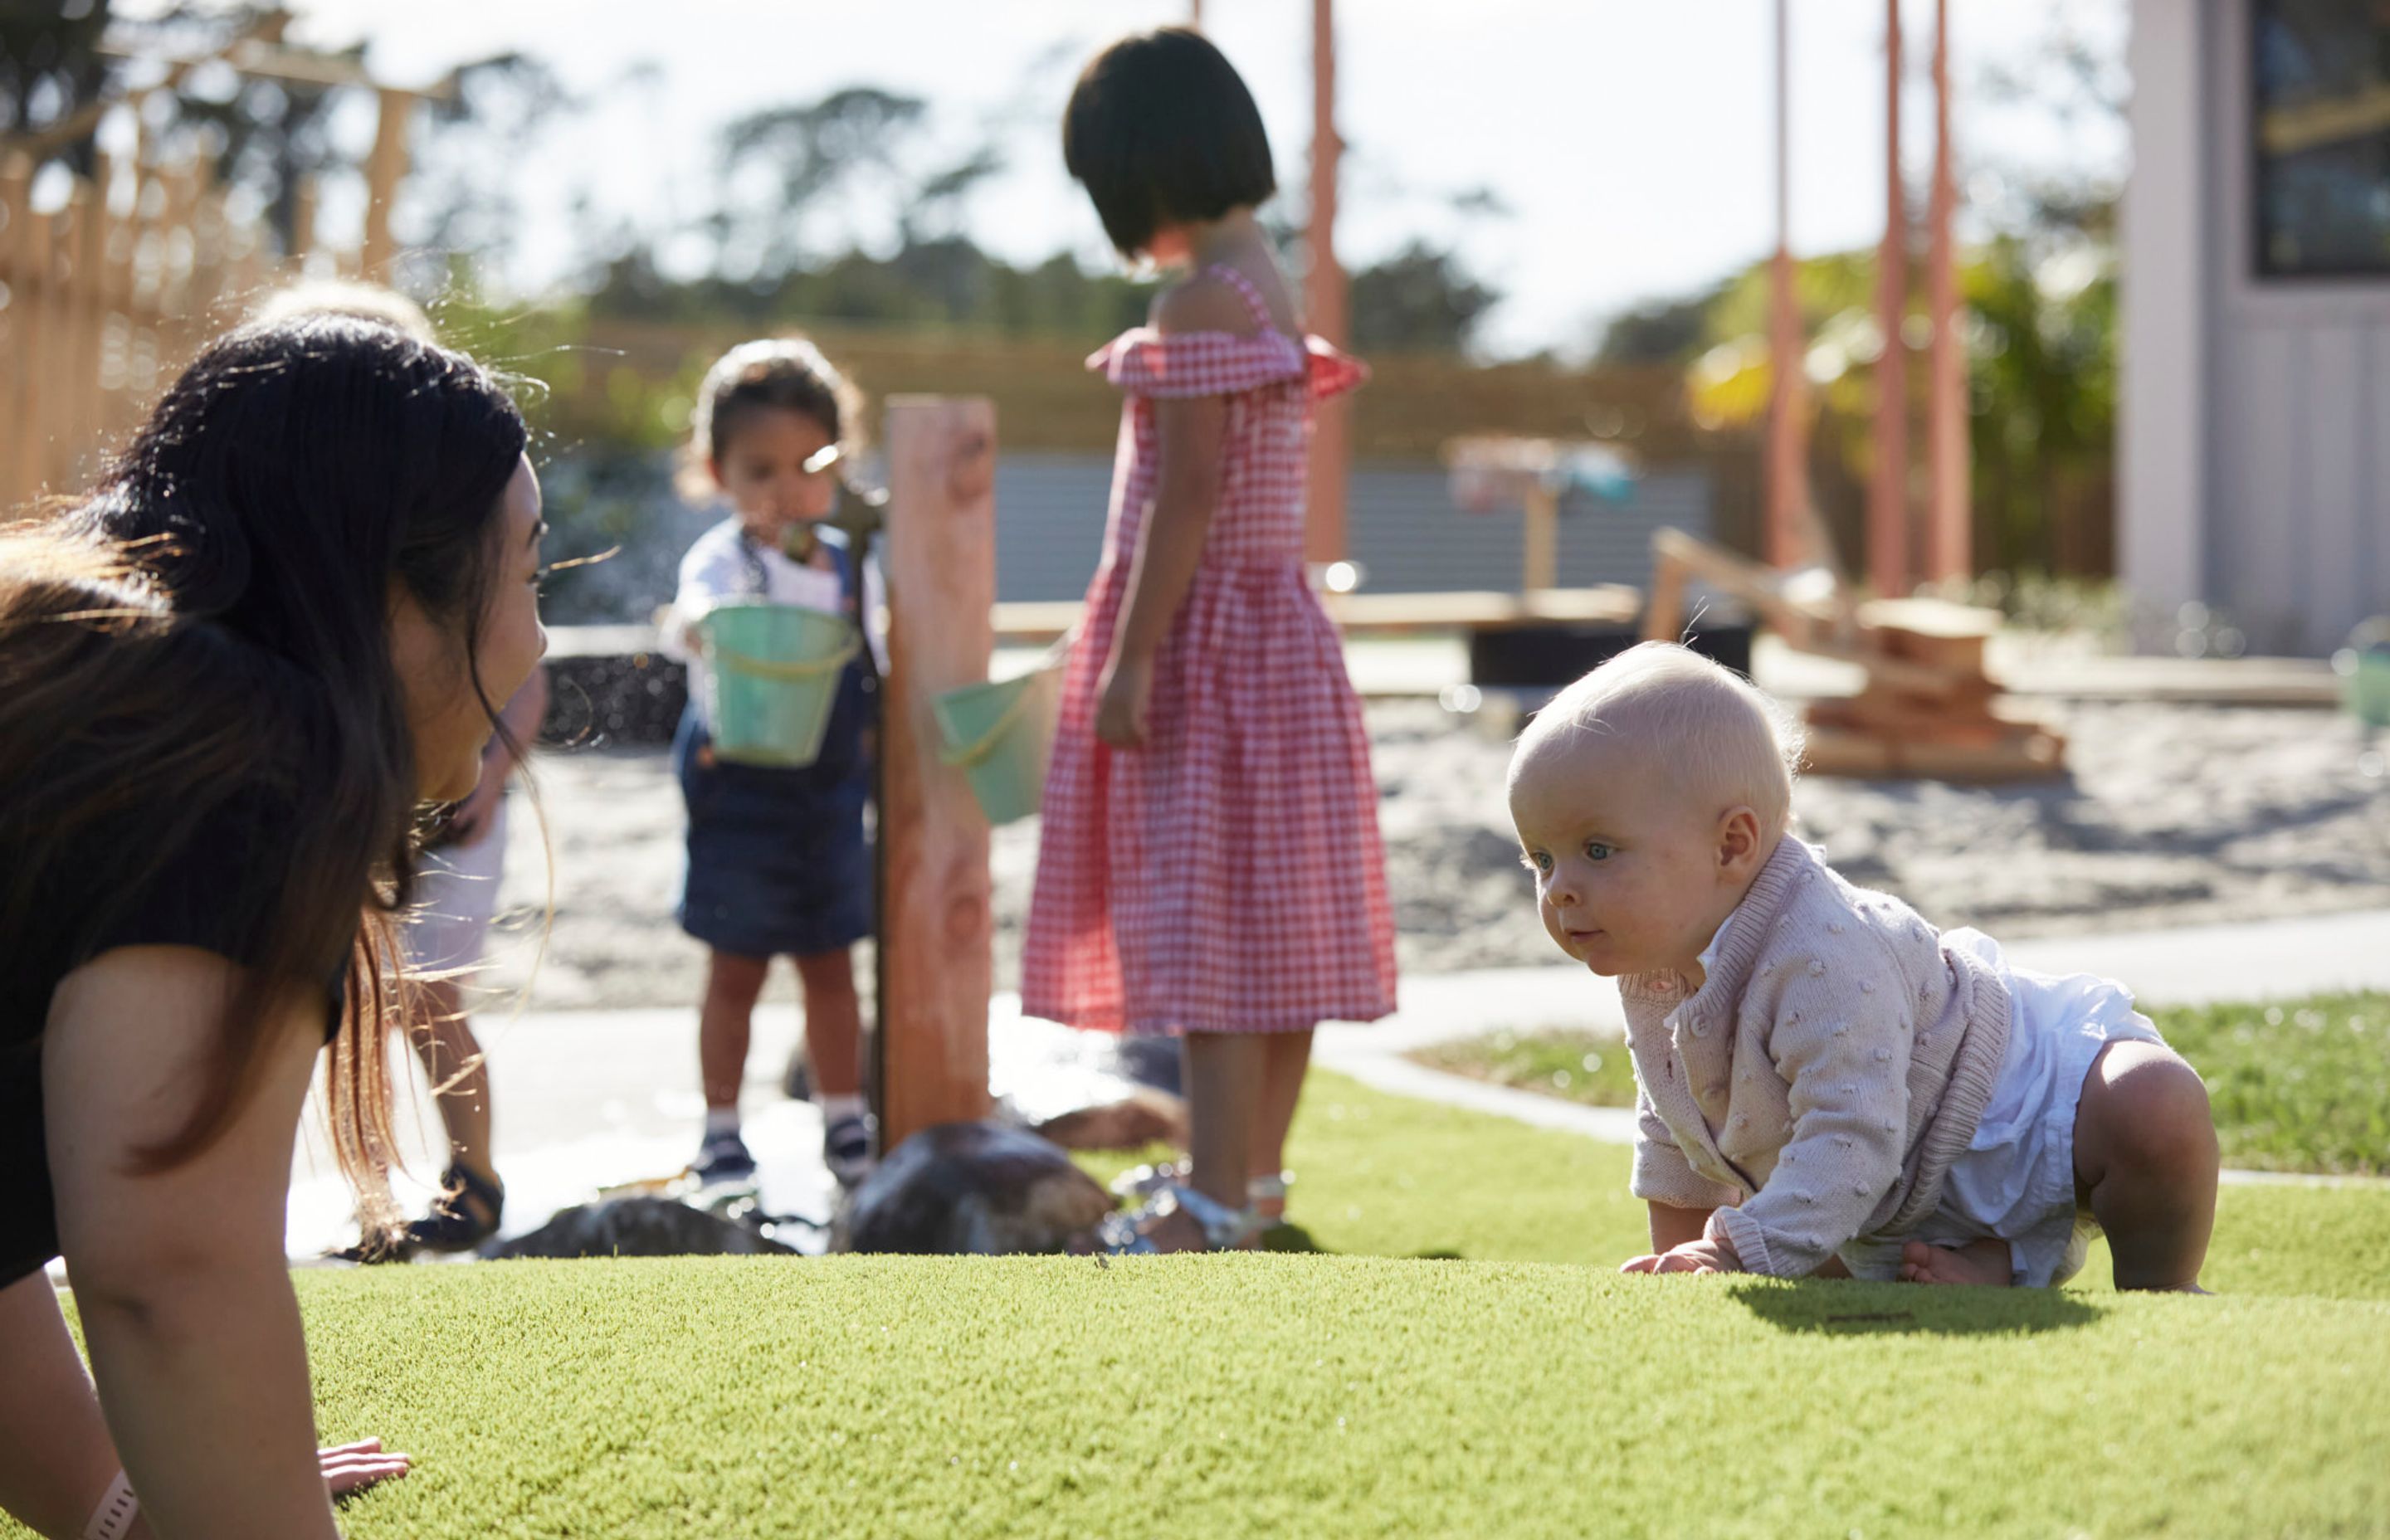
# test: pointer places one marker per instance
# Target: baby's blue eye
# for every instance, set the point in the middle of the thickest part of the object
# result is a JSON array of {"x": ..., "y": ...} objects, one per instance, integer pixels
[
  {"x": 1596, "y": 851},
  {"x": 1537, "y": 861}
]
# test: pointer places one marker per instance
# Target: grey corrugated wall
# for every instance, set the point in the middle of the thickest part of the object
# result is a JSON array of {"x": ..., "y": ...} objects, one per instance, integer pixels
[{"x": 1405, "y": 529}]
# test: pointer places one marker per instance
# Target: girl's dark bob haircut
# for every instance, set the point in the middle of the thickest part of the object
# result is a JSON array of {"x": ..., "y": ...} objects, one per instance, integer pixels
[{"x": 1160, "y": 130}]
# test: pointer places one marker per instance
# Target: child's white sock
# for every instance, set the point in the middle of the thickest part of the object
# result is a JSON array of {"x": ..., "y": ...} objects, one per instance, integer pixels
[
  {"x": 847, "y": 1104},
  {"x": 721, "y": 1120}
]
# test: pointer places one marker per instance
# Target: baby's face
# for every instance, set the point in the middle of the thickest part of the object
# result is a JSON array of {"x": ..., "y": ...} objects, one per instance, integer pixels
[{"x": 1626, "y": 864}]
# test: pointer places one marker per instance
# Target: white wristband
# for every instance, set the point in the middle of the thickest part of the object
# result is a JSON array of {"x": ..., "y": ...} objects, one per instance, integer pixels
[{"x": 113, "y": 1519}]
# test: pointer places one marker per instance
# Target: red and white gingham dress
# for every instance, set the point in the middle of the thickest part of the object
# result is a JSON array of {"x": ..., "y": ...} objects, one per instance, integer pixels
[{"x": 1227, "y": 875}]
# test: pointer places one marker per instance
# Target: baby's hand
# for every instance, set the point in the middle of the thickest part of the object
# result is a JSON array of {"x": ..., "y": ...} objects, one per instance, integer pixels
[{"x": 1693, "y": 1256}]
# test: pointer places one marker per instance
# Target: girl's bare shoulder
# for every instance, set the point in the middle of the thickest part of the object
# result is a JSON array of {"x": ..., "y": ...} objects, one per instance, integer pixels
[{"x": 1202, "y": 301}]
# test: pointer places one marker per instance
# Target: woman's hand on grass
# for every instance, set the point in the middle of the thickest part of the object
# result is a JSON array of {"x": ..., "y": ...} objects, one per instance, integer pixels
[
  {"x": 1121, "y": 700},
  {"x": 1693, "y": 1256},
  {"x": 354, "y": 1467}
]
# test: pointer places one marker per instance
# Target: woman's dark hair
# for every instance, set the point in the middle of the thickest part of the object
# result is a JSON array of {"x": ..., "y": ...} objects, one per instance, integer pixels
[
  {"x": 1160, "y": 130},
  {"x": 786, "y": 374},
  {"x": 209, "y": 633}
]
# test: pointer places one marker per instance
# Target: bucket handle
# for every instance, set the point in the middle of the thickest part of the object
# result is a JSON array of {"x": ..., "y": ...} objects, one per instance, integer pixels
[
  {"x": 963, "y": 758},
  {"x": 793, "y": 672}
]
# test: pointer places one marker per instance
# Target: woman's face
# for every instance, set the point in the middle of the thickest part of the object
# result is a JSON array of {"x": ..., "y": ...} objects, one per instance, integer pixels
[{"x": 450, "y": 727}]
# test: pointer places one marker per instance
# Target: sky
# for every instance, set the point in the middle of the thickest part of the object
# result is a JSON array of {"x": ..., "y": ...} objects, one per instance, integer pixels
[{"x": 1628, "y": 142}]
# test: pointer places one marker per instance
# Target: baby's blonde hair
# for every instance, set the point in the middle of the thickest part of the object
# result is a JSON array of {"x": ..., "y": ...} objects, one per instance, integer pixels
[{"x": 1721, "y": 735}]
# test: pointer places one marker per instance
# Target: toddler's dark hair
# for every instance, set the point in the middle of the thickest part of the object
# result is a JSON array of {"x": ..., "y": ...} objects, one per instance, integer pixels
[
  {"x": 782, "y": 373},
  {"x": 1161, "y": 129}
]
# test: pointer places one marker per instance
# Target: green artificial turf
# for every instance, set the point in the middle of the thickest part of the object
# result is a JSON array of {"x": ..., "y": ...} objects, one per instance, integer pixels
[
  {"x": 1325, "y": 1397},
  {"x": 1559, "y": 1062},
  {"x": 1373, "y": 1394},
  {"x": 2300, "y": 1085}
]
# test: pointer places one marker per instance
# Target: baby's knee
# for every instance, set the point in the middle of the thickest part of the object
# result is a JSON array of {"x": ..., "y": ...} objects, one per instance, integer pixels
[{"x": 2145, "y": 1109}]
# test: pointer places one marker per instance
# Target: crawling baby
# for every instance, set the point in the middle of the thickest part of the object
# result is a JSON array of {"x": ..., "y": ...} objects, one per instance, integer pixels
[{"x": 1827, "y": 1085}]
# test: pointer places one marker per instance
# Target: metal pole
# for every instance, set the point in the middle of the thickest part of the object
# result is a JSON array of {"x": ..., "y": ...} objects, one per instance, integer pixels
[
  {"x": 1949, "y": 529},
  {"x": 1888, "y": 504},
  {"x": 1787, "y": 450}
]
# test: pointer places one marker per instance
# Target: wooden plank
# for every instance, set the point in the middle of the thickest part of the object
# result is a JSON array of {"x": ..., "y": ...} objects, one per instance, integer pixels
[{"x": 936, "y": 910}]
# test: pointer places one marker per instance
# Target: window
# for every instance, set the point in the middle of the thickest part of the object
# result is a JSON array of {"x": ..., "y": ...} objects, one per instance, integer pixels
[{"x": 2321, "y": 95}]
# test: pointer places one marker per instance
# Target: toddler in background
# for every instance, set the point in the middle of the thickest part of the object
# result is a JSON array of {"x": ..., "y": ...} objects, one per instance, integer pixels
[
  {"x": 1826, "y": 1085},
  {"x": 777, "y": 859}
]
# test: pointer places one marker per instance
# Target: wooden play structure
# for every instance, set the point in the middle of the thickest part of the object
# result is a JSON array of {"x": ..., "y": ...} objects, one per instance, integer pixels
[
  {"x": 1928, "y": 708},
  {"x": 117, "y": 277}
]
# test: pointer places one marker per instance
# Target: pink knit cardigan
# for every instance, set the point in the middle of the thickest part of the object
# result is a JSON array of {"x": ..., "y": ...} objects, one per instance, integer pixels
[{"x": 1817, "y": 1087}]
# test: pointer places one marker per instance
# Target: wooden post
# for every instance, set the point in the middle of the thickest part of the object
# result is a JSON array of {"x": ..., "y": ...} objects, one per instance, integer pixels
[
  {"x": 302, "y": 226},
  {"x": 1540, "y": 543},
  {"x": 1325, "y": 298},
  {"x": 40, "y": 351},
  {"x": 1788, "y": 488},
  {"x": 87, "y": 293},
  {"x": 16, "y": 361},
  {"x": 384, "y": 170},
  {"x": 1888, "y": 504},
  {"x": 936, "y": 911},
  {"x": 1949, "y": 554}
]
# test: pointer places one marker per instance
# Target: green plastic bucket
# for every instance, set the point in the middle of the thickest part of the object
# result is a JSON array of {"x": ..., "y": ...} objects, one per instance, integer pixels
[
  {"x": 2365, "y": 685},
  {"x": 1000, "y": 735},
  {"x": 771, "y": 676}
]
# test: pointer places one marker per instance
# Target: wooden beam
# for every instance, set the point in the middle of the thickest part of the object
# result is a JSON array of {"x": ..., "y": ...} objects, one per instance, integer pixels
[
  {"x": 1325, "y": 298},
  {"x": 385, "y": 169},
  {"x": 1788, "y": 473},
  {"x": 1887, "y": 542},
  {"x": 1949, "y": 529},
  {"x": 937, "y": 909}
]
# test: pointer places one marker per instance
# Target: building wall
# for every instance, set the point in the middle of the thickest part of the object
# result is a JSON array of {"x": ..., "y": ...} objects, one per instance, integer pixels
[
  {"x": 1404, "y": 529},
  {"x": 2298, "y": 499},
  {"x": 2255, "y": 453}
]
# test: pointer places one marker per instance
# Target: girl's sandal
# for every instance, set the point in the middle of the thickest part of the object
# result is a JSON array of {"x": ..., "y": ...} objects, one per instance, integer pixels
[
  {"x": 1265, "y": 1198},
  {"x": 1141, "y": 1183},
  {"x": 1225, "y": 1229}
]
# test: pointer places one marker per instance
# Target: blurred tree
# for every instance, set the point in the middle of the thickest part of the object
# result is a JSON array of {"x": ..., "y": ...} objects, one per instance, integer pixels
[
  {"x": 50, "y": 66},
  {"x": 1419, "y": 299}
]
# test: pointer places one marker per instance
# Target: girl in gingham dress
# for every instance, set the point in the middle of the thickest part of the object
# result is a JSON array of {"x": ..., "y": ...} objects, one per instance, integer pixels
[{"x": 1209, "y": 863}]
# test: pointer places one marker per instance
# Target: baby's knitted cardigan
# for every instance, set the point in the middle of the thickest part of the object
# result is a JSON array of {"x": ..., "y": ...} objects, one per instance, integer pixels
[{"x": 1817, "y": 1085}]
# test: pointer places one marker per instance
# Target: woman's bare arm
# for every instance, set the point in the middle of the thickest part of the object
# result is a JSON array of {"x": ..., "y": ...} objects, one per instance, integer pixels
[{"x": 179, "y": 1275}]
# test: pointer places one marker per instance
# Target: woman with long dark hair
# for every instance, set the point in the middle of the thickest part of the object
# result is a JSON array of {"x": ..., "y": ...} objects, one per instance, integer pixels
[{"x": 228, "y": 680}]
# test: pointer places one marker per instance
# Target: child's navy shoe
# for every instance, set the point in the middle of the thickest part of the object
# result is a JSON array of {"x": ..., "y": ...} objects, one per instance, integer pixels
[
  {"x": 846, "y": 1148},
  {"x": 722, "y": 1158}
]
